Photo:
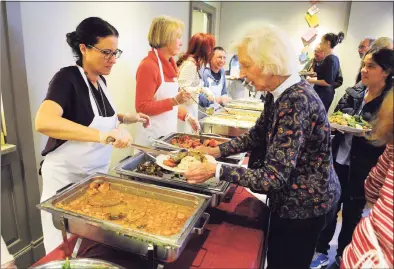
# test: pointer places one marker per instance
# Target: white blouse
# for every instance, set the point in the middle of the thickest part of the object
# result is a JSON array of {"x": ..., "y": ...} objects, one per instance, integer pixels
[{"x": 189, "y": 79}]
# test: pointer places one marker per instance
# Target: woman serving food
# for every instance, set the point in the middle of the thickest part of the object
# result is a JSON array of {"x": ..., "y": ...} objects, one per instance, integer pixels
[
  {"x": 189, "y": 78},
  {"x": 157, "y": 89},
  {"x": 78, "y": 116}
]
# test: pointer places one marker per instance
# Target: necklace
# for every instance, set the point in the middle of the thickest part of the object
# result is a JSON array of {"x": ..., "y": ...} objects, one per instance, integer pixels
[{"x": 102, "y": 99}]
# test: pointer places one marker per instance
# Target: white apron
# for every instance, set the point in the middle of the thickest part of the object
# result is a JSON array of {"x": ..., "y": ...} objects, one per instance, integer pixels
[
  {"x": 183, "y": 126},
  {"x": 164, "y": 123},
  {"x": 192, "y": 109},
  {"x": 72, "y": 162},
  {"x": 215, "y": 89}
]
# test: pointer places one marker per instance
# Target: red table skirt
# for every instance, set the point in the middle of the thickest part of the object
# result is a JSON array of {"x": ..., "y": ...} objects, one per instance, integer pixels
[{"x": 233, "y": 238}]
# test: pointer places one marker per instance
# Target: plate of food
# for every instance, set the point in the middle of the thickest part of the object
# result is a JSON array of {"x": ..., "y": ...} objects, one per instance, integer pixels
[
  {"x": 348, "y": 123},
  {"x": 180, "y": 162},
  {"x": 232, "y": 77},
  {"x": 307, "y": 73}
]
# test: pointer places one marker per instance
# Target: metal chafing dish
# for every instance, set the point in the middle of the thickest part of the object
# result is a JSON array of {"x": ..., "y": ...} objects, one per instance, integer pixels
[
  {"x": 245, "y": 105},
  {"x": 228, "y": 125},
  {"x": 234, "y": 159},
  {"x": 214, "y": 188},
  {"x": 165, "y": 249},
  {"x": 240, "y": 112}
]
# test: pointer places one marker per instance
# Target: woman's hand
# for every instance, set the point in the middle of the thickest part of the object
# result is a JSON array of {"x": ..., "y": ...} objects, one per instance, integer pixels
[
  {"x": 214, "y": 152},
  {"x": 193, "y": 122},
  {"x": 119, "y": 138},
  {"x": 182, "y": 97},
  {"x": 130, "y": 118},
  {"x": 333, "y": 129},
  {"x": 199, "y": 173},
  {"x": 311, "y": 80}
]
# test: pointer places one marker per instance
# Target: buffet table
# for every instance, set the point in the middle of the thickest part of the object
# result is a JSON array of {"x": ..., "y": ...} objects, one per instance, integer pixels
[{"x": 233, "y": 238}]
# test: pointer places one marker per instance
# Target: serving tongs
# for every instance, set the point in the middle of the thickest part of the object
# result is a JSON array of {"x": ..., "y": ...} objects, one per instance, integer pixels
[
  {"x": 147, "y": 149},
  {"x": 207, "y": 112},
  {"x": 167, "y": 145}
]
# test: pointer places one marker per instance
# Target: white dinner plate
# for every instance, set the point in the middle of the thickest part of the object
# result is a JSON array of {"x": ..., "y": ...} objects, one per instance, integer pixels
[
  {"x": 347, "y": 129},
  {"x": 161, "y": 158}
]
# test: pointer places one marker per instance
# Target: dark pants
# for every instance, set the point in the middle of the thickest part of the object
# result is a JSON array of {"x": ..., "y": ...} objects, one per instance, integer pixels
[
  {"x": 292, "y": 242},
  {"x": 351, "y": 215}
]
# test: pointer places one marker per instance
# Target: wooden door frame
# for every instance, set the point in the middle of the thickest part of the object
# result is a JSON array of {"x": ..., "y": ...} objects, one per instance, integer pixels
[
  {"x": 207, "y": 8},
  {"x": 17, "y": 114}
]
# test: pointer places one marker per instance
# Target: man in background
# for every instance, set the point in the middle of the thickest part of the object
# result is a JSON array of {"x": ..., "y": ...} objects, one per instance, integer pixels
[
  {"x": 316, "y": 60},
  {"x": 214, "y": 78},
  {"x": 364, "y": 46}
]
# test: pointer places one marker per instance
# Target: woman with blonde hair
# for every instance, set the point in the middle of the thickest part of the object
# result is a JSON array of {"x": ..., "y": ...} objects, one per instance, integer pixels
[
  {"x": 157, "y": 88},
  {"x": 372, "y": 241}
]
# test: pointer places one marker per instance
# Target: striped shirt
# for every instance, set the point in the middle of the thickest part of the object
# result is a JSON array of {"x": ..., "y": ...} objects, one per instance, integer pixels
[{"x": 379, "y": 192}]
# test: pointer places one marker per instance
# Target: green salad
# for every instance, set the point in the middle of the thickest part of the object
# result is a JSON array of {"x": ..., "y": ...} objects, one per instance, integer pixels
[
  {"x": 66, "y": 265},
  {"x": 347, "y": 120}
]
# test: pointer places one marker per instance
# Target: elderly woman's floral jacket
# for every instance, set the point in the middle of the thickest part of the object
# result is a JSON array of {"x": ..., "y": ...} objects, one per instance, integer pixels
[{"x": 290, "y": 155}]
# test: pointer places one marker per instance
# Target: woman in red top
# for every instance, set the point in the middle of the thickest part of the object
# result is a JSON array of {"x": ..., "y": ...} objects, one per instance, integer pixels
[
  {"x": 157, "y": 90},
  {"x": 372, "y": 242}
]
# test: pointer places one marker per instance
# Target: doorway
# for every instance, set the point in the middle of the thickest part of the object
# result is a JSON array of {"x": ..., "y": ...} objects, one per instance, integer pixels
[{"x": 203, "y": 18}]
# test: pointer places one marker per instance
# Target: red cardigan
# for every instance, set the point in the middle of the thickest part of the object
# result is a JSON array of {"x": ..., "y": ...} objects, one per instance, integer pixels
[{"x": 148, "y": 81}]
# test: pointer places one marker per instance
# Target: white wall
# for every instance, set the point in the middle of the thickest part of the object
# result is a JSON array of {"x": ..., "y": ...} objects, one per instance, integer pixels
[
  {"x": 355, "y": 19},
  {"x": 44, "y": 29},
  {"x": 290, "y": 16},
  {"x": 366, "y": 19}
]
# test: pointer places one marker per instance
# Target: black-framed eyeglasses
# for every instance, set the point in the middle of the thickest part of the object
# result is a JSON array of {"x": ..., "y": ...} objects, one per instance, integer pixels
[{"x": 108, "y": 53}]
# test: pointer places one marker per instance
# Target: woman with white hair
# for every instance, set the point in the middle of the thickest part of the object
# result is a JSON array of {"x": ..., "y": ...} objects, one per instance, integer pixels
[{"x": 290, "y": 149}]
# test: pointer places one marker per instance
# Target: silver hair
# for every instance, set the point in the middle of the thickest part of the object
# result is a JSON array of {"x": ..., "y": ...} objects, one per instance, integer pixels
[
  {"x": 382, "y": 43},
  {"x": 270, "y": 48},
  {"x": 370, "y": 40}
]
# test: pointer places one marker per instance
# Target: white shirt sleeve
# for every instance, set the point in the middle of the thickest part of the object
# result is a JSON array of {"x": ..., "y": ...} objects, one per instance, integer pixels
[
  {"x": 217, "y": 173},
  {"x": 188, "y": 77}
]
